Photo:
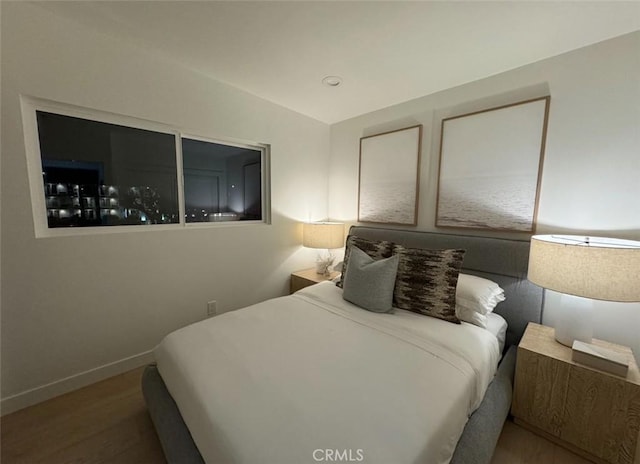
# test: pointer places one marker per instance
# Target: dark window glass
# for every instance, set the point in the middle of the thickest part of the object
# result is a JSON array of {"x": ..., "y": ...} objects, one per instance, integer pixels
[
  {"x": 221, "y": 182},
  {"x": 100, "y": 174}
]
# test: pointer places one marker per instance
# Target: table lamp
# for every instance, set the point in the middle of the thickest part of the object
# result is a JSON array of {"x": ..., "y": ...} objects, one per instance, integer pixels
[
  {"x": 323, "y": 235},
  {"x": 583, "y": 269}
]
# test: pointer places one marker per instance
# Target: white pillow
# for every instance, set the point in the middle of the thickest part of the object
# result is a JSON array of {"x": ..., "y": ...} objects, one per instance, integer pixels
[
  {"x": 475, "y": 298},
  {"x": 472, "y": 317}
]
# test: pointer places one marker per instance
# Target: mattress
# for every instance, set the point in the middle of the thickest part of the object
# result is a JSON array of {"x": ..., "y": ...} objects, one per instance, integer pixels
[{"x": 289, "y": 379}]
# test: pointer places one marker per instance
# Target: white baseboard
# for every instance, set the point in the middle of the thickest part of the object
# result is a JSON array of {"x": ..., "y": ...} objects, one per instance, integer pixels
[{"x": 74, "y": 382}]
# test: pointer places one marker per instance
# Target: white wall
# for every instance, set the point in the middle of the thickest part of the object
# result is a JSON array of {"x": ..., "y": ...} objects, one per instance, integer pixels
[
  {"x": 591, "y": 177},
  {"x": 73, "y": 304}
]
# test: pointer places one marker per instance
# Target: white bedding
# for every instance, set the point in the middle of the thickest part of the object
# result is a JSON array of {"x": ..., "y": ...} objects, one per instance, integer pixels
[
  {"x": 274, "y": 382},
  {"x": 497, "y": 325}
]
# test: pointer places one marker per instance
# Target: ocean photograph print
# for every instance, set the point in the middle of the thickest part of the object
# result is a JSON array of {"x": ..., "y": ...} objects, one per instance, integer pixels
[
  {"x": 491, "y": 166},
  {"x": 389, "y": 177}
]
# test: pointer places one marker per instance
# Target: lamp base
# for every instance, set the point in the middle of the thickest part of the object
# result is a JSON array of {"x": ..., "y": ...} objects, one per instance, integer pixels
[{"x": 575, "y": 320}]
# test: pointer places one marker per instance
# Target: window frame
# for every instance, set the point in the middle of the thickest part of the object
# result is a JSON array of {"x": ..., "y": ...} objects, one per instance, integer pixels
[{"x": 29, "y": 107}]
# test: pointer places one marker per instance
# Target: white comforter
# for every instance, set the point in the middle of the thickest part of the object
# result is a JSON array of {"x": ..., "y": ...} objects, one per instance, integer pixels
[{"x": 286, "y": 380}]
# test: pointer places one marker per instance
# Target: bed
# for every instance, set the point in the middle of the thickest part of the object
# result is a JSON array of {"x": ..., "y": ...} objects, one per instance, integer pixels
[{"x": 262, "y": 384}]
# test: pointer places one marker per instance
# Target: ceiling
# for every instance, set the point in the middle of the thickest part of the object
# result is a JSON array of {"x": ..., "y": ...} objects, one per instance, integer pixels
[{"x": 386, "y": 52}]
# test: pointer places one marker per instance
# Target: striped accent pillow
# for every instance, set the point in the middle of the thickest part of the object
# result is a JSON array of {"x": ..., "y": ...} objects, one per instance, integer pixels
[{"x": 426, "y": 281}]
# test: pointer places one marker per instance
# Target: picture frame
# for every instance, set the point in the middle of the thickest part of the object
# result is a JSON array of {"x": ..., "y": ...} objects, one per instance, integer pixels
[
  {"x": 491, "y": 167},
  {"x": 389, "y": 177}
]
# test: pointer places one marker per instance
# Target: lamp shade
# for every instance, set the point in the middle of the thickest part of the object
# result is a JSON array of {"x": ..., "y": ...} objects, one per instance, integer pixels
[
  {"x": 591, "y": 267},
  {"x": 329, "y": 235}
]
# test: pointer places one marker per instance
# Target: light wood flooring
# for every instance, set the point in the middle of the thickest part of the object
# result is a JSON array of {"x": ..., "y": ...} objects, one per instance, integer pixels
[{"x": 108, "y": 423}]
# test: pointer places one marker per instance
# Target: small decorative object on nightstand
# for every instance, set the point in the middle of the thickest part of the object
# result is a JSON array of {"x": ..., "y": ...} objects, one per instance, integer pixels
[
  {"x": 591, "y": 412},
  {"x": 599, "y": 358},
  {"x": 302, "y": 279}
]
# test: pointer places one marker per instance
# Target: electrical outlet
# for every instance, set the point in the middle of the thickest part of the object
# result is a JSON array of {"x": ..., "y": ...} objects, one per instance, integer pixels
[{"x": 212, "y": 308}]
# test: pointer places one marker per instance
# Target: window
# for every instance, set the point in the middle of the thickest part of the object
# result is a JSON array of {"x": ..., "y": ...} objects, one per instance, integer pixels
[
  {"x": 221, "y": 182},
  {"x": 99, "y": 174},
  {"x": 94, "y": 170}
]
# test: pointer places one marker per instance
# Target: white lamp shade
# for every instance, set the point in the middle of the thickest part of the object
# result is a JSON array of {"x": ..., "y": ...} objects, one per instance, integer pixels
[
  {"x": 329, "y": 235},
  {"x": 591, "y": 267}
]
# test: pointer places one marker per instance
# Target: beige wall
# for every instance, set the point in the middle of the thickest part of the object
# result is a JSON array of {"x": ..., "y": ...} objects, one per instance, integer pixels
[
  {"x": 73, "y": 305},
  {"x": 591, "y": 178}
]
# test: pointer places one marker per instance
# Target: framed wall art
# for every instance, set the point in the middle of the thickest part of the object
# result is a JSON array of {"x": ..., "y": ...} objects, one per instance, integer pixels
[
  {"x": 491, "y": 166},
  {"x": 389, "y": 177}
]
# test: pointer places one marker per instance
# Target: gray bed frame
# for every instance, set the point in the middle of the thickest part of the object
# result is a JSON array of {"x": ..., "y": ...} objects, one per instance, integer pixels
[{"x": 501, "y": 260}]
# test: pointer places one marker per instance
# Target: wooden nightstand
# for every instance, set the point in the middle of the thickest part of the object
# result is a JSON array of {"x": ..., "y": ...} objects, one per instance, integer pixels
[
  {"x": 590, "y": 412},
  {"x": 302, "y": 279}
]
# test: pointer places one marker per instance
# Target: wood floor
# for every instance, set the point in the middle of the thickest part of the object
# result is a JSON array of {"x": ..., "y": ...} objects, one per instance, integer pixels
[
  {"x": 108, "y": 423},
  {"x": 520, "y": 446}
]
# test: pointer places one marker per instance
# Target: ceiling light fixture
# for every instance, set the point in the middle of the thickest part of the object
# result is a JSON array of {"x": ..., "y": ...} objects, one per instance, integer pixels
[{"x": 332, "y": 81}]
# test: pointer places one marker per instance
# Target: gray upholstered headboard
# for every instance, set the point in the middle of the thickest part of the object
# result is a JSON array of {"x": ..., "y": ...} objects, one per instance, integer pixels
[{"x": 501, "y": 260}]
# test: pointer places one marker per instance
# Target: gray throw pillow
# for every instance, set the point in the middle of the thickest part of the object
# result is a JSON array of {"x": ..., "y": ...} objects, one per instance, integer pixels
[
  {"x": 370, "y": 283},
  {"x": 376, "y": 249},
  {"x": 426, "y": 281}
]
